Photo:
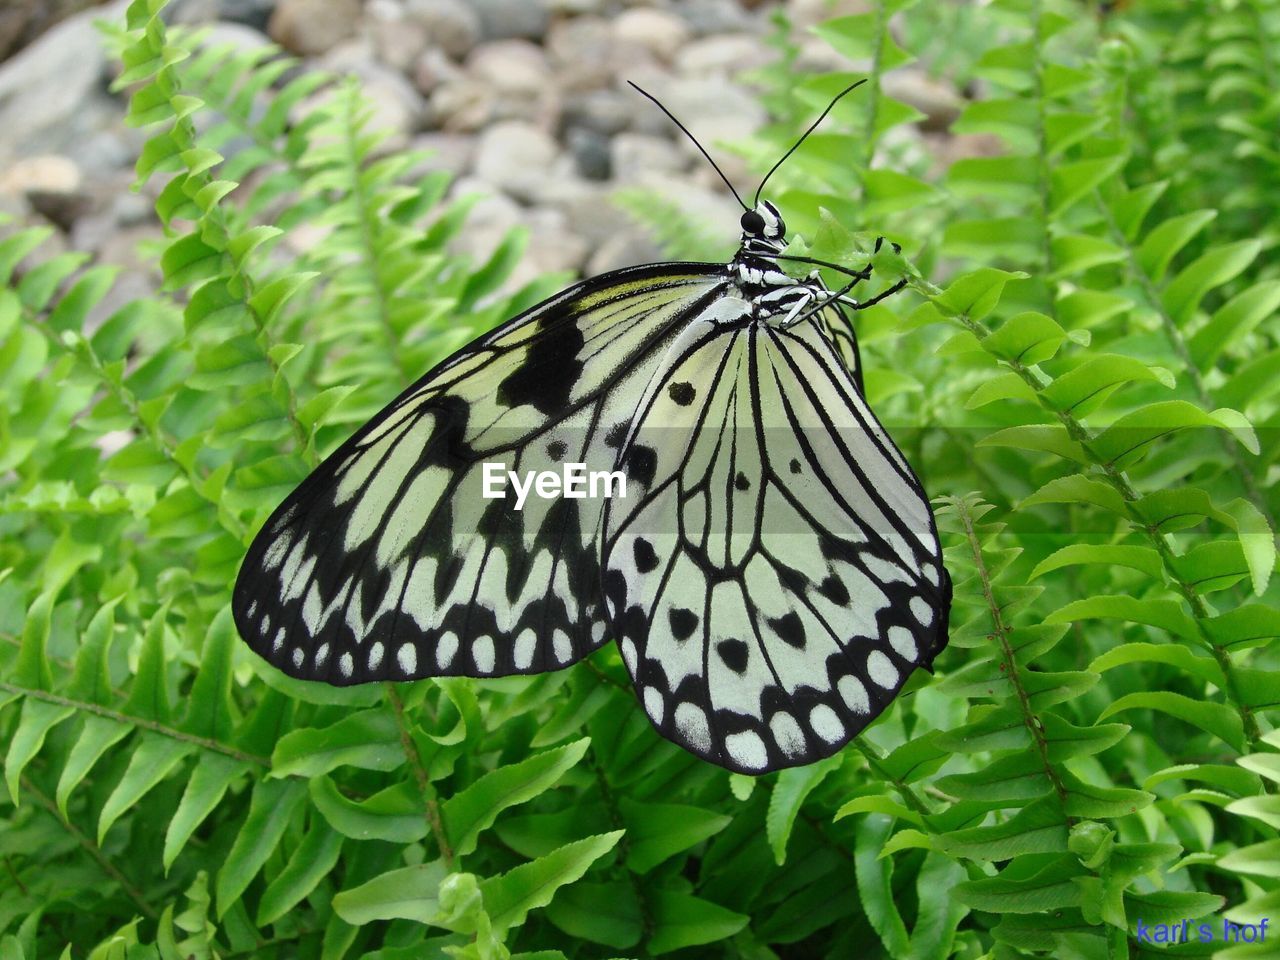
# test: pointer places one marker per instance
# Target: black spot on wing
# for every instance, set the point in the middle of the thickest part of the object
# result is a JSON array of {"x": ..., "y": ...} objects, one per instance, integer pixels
[
  {"x": 615, "y": 435},
  {"x": 556, "y": 450},
  {"x": 795, "y": 465},
  {"x": 683, "y": 622},
  {"x": 646, "y": 556},
  {"x": 734, "y": 654},
  {"x": 641, "y": 464},
  {"x": 552, "y": 366},
  {"x": 789, "y": 628},
  {"x": 834, "y": 590},
  {"x": 682, "y": 393},
  {"x": 741, "y": 482}
]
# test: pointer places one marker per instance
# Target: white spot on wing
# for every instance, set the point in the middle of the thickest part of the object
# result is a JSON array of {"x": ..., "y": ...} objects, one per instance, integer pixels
[
  {"x": 375, "y": 656},
  {"x": 297, "y": 656},
  {"x": 561, "y": 646},
  {"x": 407, "y": 657},
  {"x": 854, "y": 694},
  {"x": 903, "y": 642},
  {"x": 312, "y": 608},
  {"x": 275, "y": 555},
  {"x": 346, "y": 665},
  {"x": 786, "y": 732},
  {"x": 526, "y": 644},
  {"x": 483, "y": 653},
  {"x": 446, "y": 648},
  {"x": 881, "y": 670},
  {"x": 921, "y": 611},
  {"x": 747, "y": 749},
  {"x": 691, "y": 724},
  {"x": 653, "y": 704},
  {"x": 278, "y": 642},
  {"x": 628, "y": 654},
  {"x": 825, "y": 723},
  {"x": 322, "y": 654}
]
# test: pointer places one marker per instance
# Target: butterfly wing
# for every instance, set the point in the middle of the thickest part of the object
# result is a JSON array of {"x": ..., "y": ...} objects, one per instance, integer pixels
[
  {"x": 388, "y": 563},
  {"x": 776, "y": 575}
]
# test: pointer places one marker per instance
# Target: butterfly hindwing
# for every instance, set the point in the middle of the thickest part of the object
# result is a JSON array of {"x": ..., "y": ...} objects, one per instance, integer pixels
[
  {"x": 387, "y": 562},
  {"x": 777, "y": 575}
]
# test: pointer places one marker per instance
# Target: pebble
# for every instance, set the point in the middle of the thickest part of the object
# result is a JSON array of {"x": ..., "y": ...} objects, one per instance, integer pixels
[
  {"x": 582, "y": 52},
  {"x": 450, "y": 25},
  {"x": 523, "y": 100},
  {"x": 503, "y": 19},
  {"x": 939, "y": 102},
  {"x": 398, "y": 40},
  {"x": 653, "y": 31},
  {"x": 635, "y": 155},
  {"x": 510, "y": 67},
  {"x": 447, "y": 151},
  {"x": 591, "y": 153},
  {"x": 310, "y": 27},
  {"x": 52, "y": 92},
  {"x": 515, "y": 157}
]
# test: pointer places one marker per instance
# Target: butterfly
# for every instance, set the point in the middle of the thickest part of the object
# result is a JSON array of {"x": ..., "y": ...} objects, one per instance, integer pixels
[{"x": 768, "y": 563}]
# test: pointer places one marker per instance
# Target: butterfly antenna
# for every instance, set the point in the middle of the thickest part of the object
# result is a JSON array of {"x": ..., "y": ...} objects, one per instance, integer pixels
[
  {"x": 813, "y": 126},
  {"x": 694, "y": 139}
]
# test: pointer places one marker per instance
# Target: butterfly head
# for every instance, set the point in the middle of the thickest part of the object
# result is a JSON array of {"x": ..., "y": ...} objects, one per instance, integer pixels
[{"x": 763, "y": 223}]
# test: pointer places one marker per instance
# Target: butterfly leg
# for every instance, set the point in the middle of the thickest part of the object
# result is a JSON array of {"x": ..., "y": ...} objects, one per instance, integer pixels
[{"x": 883, "y": 294}]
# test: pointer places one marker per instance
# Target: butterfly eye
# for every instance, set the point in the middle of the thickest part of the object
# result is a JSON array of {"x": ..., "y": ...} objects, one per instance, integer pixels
[{"x": 753, "y": 223}]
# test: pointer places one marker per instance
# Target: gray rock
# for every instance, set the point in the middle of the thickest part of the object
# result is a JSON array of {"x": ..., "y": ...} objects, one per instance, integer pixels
[
  {"x": 462, "y": 105},
  {"x": 397, "y": 107},
  {"x": 723, "y": 55},
  {"x": 516, "y": 157},
  {"x": 239, "y": 35},
  {"x": 647, "y": 30},
  {"x": 582, "y": 52},
  {"x": 433, "y": 68},
  {"x": 552, "y": 246},
  {"x": 52, "y": 93},
  {"x": 448, "y": 151},
  {"x": 53, "y": 185},
  {"x": 251, "y": 13},
  {"x": 488, "y": 222},
  {"x": 510, "y": 66},
  {"x": 577, "y": 8},
  {"x": 591, "y": 154},
  {"x": 938, "y": 101},
  {"x": 310, "y": 27},
  {"x": 716, "y": 111},
  {"x": 593, "y": 217},
  {"x": 601, "y": 111},
  {"x": 636, "y": 155},
  {"x": 451, "y": 25},
  {"x": 397, "y": 39},
  {"x": 713, "y": 16},
  {"x": 622, "y": 250},
  {"x": 503, "y": 19}
]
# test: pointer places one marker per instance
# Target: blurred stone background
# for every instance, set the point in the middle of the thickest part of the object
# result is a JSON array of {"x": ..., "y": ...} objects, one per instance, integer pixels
[{"x": 524, "y": 100}]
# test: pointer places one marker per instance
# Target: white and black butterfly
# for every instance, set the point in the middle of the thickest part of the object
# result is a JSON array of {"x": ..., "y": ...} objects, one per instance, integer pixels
[{"x": 772, "y": 576}]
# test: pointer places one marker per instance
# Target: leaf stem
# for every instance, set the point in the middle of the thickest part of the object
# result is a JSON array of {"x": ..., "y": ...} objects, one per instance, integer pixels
[
  {"x": 141, "y": 723},
  {"x": 90, "y": 847},
  {"x": 1183, "y": 351},
  {"x": 1116, "y": 478},
  {"x": 431, "y": 805},
  {"x": 1001, "y": 631}
]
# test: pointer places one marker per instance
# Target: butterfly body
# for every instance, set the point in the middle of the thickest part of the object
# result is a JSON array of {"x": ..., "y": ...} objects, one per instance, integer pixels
[{"x": 772, "y": 575}]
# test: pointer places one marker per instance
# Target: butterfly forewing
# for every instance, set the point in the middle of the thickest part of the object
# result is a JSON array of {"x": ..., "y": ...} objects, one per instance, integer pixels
[
  {"x": 776, "y": 575},
  {"x": 388, "y": 563}
]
